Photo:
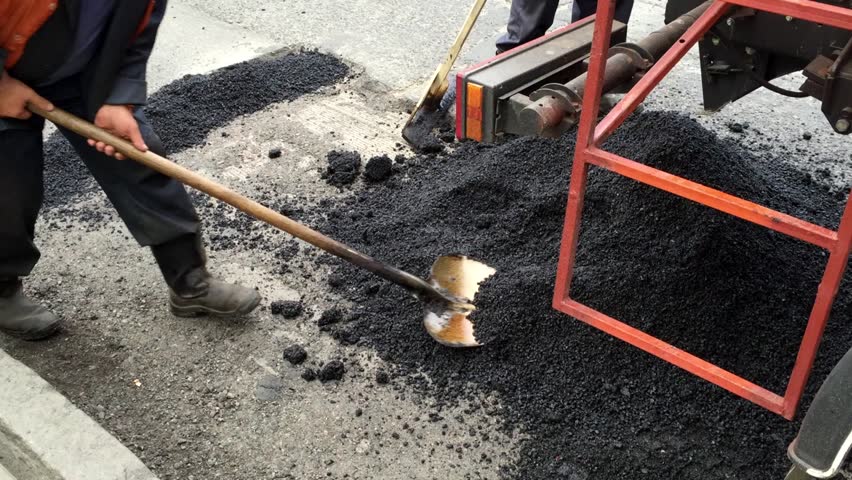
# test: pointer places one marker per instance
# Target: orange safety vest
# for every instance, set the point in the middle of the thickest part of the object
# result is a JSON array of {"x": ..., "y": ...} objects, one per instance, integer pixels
[{"x": 21, "y": 19}]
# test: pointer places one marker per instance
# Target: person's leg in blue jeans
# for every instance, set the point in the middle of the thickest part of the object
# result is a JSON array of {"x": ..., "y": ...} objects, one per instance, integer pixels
[
  {"x": 528, "y": 20},
  {"x": 585, "y": 8}
]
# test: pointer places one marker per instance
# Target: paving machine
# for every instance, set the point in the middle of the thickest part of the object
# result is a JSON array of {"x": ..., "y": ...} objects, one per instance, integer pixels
[
  {"x": 555, "y": 83},
  {"x": 538, "y": 88}
]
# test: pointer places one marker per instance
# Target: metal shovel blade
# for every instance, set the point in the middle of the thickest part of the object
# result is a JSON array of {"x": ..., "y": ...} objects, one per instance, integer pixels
[
  {"x": 418, "y": 131},
  {"x": 460, "y": 276}
]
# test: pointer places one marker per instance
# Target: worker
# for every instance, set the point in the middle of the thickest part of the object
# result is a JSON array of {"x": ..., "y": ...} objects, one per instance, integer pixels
[
  {"x": 89, "y": 57},
  {"x": 530, "y": 19}
]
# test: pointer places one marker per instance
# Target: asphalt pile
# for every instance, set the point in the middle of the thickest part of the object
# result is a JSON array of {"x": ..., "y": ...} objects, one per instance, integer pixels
[{"x": 594, "y": 407}]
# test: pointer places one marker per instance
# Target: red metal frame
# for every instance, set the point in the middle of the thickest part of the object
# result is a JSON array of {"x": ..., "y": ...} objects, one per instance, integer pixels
[{"x": 591, "y": 135}]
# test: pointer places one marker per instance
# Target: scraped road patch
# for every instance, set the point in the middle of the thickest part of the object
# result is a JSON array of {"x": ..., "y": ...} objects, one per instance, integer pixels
[{"x": 184, "y": 112}]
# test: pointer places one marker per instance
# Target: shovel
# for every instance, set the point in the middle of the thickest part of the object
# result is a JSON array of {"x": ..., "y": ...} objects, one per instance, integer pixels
[
  {"x": 417, "y": 131},
  {"x": 447, "y": 295}
]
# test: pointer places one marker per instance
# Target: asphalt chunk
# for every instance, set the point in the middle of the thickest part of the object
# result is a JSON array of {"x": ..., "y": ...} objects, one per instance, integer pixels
[
  {"x": 309, "y": 375},
  {"x": 295, "y": 354},
  {"x": 287, "y": 308},
  {"x": 378, "y": 168},
  {"x": 332, "y": 370},
  {"x": 331, "y": 316},
  {"x": 343, "y": 168}
]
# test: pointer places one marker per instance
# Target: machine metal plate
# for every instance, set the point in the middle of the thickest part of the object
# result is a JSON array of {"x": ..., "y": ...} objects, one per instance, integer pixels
[{"x": 556, "y": 57}]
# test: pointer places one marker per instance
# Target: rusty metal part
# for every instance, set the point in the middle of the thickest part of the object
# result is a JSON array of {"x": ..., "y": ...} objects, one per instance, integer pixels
[
  {"x": 837, "y": 97},
  {"x": 550, "y": 105},
  {"x": 460, "y": 276},
  {"x": 625, "y": 62}
]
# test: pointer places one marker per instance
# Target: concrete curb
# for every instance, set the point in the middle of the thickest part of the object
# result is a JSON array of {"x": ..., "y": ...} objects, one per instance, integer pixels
[
  {"x": 44, "y": 436},
  {"x": 4, "y": 474}
]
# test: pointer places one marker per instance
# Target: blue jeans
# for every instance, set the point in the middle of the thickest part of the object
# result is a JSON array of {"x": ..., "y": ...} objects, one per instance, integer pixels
[{"x": 530, "y": 19}]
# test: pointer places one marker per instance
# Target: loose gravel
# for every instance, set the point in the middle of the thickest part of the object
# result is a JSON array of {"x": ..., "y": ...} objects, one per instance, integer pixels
[{"x": 594, "y": 407}]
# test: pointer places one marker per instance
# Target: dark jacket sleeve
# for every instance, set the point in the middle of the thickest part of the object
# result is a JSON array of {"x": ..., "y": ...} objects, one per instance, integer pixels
[{"x": 131, "y": 87}]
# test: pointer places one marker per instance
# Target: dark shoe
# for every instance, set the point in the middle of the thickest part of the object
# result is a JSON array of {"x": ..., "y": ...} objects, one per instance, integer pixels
[
  {"x": 22, "y": 318},
  {"x": 211, "y": 296}
]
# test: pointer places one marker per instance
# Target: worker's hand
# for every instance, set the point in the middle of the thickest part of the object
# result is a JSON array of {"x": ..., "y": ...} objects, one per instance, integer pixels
[
  {"x": 14, "y": 96},
  {"x": 119, "y": 121}
]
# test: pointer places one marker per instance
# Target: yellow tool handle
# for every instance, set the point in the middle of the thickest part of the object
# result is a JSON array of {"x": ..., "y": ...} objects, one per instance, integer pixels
[
  {"x": 452, "y": 56},
  {"x": 438, "y": 83}
]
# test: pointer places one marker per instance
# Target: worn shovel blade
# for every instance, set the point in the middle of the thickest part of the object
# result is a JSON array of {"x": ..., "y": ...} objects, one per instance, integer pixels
[
  {"x": 460, "y": 276},
  {"x": 418, "y": 131}
]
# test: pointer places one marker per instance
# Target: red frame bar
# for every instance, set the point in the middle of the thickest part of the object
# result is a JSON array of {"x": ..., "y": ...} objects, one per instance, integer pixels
[
  {"x": 588, "y": 152},
  {"x": 820, "y": 313},
  {"x": 780, "y": 222},
  {"x": 685, "y": 360}
]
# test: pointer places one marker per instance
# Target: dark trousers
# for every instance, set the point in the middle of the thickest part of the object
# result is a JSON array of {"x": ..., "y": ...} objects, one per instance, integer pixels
[
  {"x": 530, "y": 19},
  {"x": 156, "y": 209}
]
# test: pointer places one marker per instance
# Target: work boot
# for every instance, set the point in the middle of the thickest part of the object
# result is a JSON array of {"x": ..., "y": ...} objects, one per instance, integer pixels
[
  {"x": 21, "y": 317},
  {"x": 199, "y": 293}
]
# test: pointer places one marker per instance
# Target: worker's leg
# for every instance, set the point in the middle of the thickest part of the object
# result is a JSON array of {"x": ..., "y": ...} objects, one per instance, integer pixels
[
  {"x": 155, "y": 208},
  {"x": 21, "y": 192},
  {"x": 159, "y": 213},
  {"x": 528, "y": 20},
  {"x": 623, "y": 9},
  {"x": 585, "y": 8}
]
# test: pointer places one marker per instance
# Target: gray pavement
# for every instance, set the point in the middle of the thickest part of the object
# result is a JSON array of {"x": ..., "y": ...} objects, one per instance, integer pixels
[
  {"x": 191, "y": 41},
  {"x": 199, "y": 378},
  {"x": 399, "y": 43}
]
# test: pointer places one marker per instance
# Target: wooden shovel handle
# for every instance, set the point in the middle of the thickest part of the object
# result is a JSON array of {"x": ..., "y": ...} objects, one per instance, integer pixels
[
  {"x": 450, "y": 60},
  {"x": 256, "y": 210},
  {"x": 438, "y": 82}
]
